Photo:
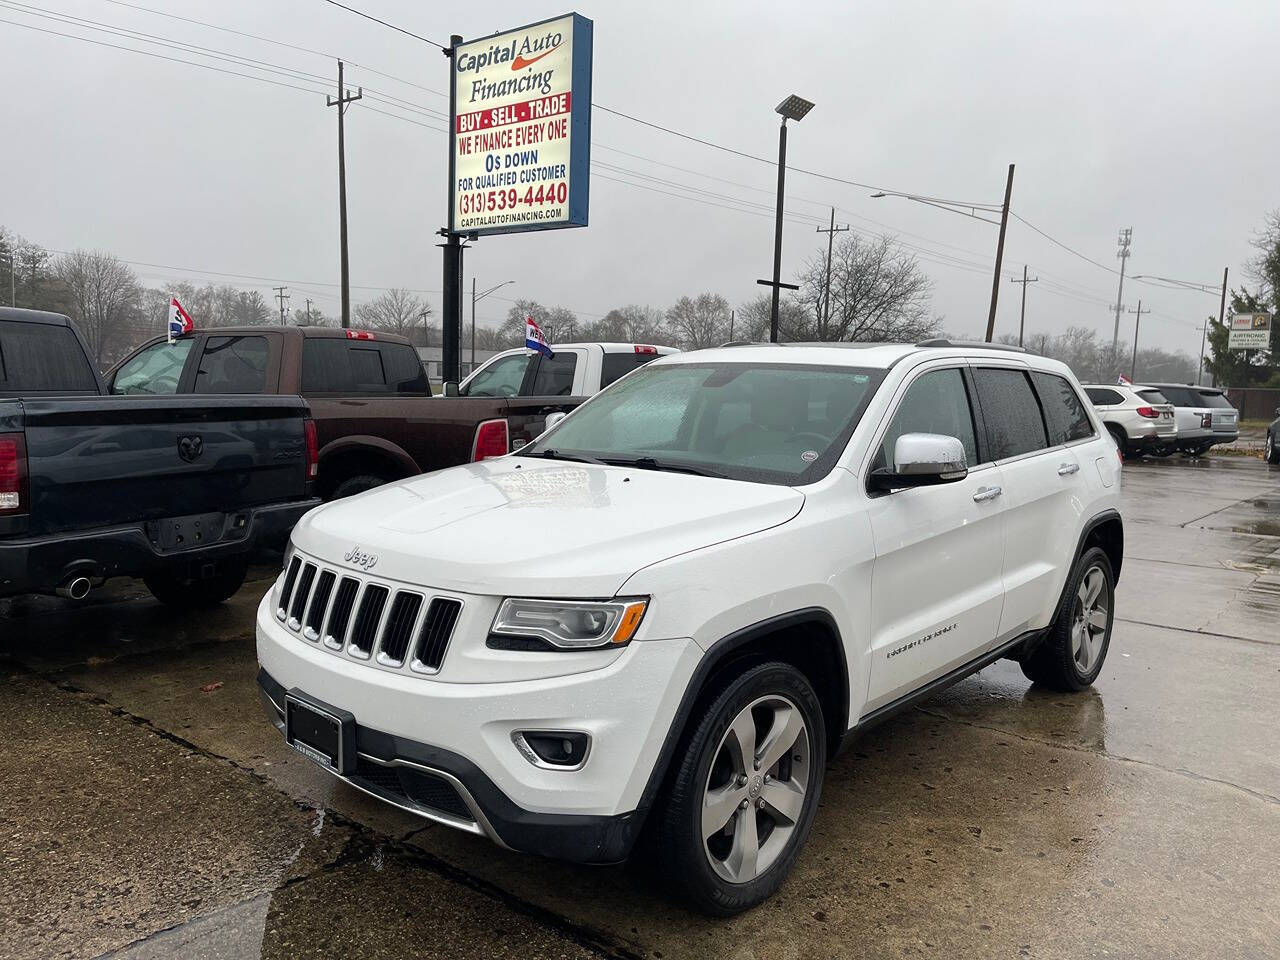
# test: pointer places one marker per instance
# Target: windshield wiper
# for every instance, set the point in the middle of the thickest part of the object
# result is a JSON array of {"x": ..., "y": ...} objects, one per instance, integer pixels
[
  {"x": 560, "y": 455},
  {"x": 649, "y": 463}
]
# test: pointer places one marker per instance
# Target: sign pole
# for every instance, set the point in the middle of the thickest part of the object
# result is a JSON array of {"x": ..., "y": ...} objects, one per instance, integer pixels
[{"x": 451, "y": 310}]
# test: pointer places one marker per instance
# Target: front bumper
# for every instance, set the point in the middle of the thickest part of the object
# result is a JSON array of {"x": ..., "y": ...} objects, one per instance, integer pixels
[
  {"x": 38, "y": 564},
  {"x": 444, "y": 750}
]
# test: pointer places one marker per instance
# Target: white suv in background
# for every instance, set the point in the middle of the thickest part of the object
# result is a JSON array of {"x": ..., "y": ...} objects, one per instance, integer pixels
[
  {"x": 1139, "y": 419},
  {"x": 668, "y": 613},
  {"x": 1204, "y": 415}
]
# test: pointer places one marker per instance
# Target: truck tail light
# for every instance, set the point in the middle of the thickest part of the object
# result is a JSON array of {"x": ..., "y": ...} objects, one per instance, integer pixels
[
  {"x": 492, "y": 440},
  {"x": 645, "y": 348},
  {"x": 361, "y": 335},
  {"x": 1149, "y": 412},
  {"x": 13, "y": 473},
  {"x": 313, "y": 449}
]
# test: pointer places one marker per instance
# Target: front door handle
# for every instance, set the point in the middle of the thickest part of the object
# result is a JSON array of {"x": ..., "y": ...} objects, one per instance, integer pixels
[
  {"x": 1068, "y": 468},
  {"x": 986, "y": 493}
]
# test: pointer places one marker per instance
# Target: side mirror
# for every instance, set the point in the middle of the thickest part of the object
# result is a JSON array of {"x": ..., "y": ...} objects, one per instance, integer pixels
[
  {"x": 553, "y": 419},
  {"x": 921, "y": 460},
  {"x": 450, "y": 388}
]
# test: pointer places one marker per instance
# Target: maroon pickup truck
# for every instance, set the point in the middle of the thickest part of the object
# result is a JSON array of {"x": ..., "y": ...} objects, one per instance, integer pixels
[{"x": 375, "y": 417}]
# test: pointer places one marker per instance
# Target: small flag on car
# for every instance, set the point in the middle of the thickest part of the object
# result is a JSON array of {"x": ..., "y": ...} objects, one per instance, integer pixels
[
  {"x": 180, "y": 321},
  {"x": 534, "y": 339},
  {"x": 1124, "y": 381}
]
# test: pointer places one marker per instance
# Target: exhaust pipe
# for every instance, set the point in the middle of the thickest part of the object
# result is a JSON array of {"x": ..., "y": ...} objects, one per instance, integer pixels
[{"x": 74, "y": 588}]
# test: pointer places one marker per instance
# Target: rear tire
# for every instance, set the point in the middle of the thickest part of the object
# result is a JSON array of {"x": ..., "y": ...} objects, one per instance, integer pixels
[
  {"x": 770, "y": 711},
  {"x": 358, "y": 484},
  {"x": 184, "y": 593},
  {"x": 1071, "y": 655},
  {"x": 1273, "y": 449}
]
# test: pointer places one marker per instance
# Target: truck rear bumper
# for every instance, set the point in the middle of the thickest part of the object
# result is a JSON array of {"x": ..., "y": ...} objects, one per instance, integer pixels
[{"x": 39, "y": 564}]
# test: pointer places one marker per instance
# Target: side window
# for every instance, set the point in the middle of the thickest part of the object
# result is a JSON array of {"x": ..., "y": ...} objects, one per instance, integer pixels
[
  {"x": 325, "y": 368},
  {"x": 1012, "y": 413},
  {"x": 404, "y": 369},
  {"x": 1102, "y": 397},
  {"x": 937, "y": 402},
  {"x": 502, "y": 378},
  {"x": 552, "y": 377},
  {"x": 1180, "y": 396},
  {"x": 233, "y": 365},
  {"x": 156, "y": 369},
  {"x": 1065, "y": 415}
]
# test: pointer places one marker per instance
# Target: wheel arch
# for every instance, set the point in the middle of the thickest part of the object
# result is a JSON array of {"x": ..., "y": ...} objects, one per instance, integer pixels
[
  {"x": 809, "y": 639},
  {"x": 353, "y": 456}
]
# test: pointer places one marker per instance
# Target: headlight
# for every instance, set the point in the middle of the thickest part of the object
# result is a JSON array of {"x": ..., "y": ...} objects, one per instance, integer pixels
[{"x": 568, "y": 624}]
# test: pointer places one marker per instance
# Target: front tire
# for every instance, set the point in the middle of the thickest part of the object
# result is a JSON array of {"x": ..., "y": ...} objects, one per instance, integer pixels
[
  {"x": 1072, "y": 653},
  {"x": 1121, "y": 441},
  {"x": 741, "y": 801},
  {"x": 185, "y": 593},
  {"x": 358, "y": 484},
  {"x": 1273, "y": 450}
]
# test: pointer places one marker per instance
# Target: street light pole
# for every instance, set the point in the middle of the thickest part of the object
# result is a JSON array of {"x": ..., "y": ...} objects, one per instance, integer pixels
[
  {"x": 474, "y": 299},
  {"x": 777, "y": 231},
  {"x": 995, "y": 280}
]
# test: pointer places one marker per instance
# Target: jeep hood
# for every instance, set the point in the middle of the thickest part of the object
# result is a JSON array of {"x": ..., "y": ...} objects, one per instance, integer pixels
[{"x": 544, "y": 528}]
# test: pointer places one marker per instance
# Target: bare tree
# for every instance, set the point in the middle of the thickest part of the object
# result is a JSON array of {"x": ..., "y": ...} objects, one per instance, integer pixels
[
  {"x": 878, "y": 293},
  {"x": 753, "y": 320},
  {"x": 629, "y": 324},
  {"x": 396, "y": 311},
  {"x": 560, "y": 324},
  {"x": 698, "y": 322},
  {"x": 103, "y": 294}
]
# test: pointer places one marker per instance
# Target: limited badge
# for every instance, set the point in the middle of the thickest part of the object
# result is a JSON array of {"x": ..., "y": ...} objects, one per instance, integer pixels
[{"x": 809, "y": 456}]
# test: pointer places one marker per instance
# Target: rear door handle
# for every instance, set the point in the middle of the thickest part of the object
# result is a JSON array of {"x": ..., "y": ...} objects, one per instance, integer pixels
[
  {"x": 986, "y": 493},
  {"x": 1066, "y": 469}
]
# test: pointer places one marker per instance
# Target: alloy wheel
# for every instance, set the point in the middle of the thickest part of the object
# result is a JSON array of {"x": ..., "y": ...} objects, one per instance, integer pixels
[
  {"x": 1089, "y": 625},
  {"x": 755, "y": 791}
]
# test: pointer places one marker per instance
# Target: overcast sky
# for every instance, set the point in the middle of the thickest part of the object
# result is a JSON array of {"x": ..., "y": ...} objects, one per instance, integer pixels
[{"x": 1158, "y": 115}]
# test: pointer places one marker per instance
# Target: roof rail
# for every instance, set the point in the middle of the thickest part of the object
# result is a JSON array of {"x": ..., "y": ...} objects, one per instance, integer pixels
[{"x": 969, "y": 345}]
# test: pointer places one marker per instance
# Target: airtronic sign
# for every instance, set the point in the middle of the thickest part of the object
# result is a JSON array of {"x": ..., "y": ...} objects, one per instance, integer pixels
[
  {"x": 522, "y": 129},
  {"x": 1249, "y": 331}
]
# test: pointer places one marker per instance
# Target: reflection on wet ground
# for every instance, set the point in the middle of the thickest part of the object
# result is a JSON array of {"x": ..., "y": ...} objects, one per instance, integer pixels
[{"x": 147, "y": 811}]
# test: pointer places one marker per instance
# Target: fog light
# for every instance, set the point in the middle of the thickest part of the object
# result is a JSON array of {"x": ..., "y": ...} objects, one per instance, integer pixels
[{"x": 553, "y": 749}]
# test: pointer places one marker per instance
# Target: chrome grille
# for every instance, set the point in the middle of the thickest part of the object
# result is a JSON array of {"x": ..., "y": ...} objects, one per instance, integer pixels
[
  {"x": 368, "y": 618},
  {"x": 437, "y": 628},
  {"x": 300, "y": 597},
  {"x": 365, "y": 620},
  {"x": 344, "y": 601},
  {"x": 399, "y": 629}
]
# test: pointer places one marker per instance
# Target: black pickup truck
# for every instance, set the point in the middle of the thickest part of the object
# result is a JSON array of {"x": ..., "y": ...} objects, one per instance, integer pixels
[{"x": 178, "y": 490}]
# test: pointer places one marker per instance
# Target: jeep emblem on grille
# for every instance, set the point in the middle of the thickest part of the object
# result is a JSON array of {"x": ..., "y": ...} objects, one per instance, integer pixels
[
  {"x": 190, "y": 448},
  {"x": 357, "y": 558}
]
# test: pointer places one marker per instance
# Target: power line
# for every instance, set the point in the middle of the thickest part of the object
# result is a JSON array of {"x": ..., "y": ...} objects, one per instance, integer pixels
[{"x": 368, "y": 16}]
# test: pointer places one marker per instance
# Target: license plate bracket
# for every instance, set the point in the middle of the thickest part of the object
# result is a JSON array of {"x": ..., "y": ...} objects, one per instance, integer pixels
[{"x": 324, "y": 734}]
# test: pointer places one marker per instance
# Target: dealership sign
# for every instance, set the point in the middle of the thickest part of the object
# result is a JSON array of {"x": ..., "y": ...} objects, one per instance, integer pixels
[
  {"x": 1250, "y": 331},
  {"x": 521, "y": 129}
]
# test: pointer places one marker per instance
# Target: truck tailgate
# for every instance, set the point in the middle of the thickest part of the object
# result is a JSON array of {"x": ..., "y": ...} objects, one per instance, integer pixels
[{"x": 97, "y": 461}]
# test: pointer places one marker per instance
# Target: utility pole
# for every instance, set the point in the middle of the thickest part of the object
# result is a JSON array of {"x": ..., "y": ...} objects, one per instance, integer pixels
[
  {"x": 733, "y": 314},
  {"x": 344, "y": 97},
  {"x": 831, "y": 232},
  {"x": 1137, "y": 320},
  {"x": 1222, "y": 304},
  {"x": 308, "y": 311},
  {"x": 473, "y": 323},
  {"x": 1122, "y": 254},
  {"x": 282, "y": 295},
  {"x": 1204, "y": 333},
  {"x": 1022, "y": 316},
  {"x": 995, "y": 280}
]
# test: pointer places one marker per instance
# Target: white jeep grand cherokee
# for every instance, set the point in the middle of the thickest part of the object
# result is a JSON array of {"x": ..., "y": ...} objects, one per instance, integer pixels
[{"x": 670, "y": 611}]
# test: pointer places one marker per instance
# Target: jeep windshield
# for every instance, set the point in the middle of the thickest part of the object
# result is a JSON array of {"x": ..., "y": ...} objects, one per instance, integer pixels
[{"x": 775, "y": 423}]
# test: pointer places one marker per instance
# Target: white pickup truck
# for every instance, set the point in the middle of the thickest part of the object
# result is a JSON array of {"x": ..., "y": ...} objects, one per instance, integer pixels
[{"x": 573, "y": 370}]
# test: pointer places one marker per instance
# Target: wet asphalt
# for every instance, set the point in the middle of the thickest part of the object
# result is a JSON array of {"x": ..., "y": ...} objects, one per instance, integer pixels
[{"x": 147, "y": 810}]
